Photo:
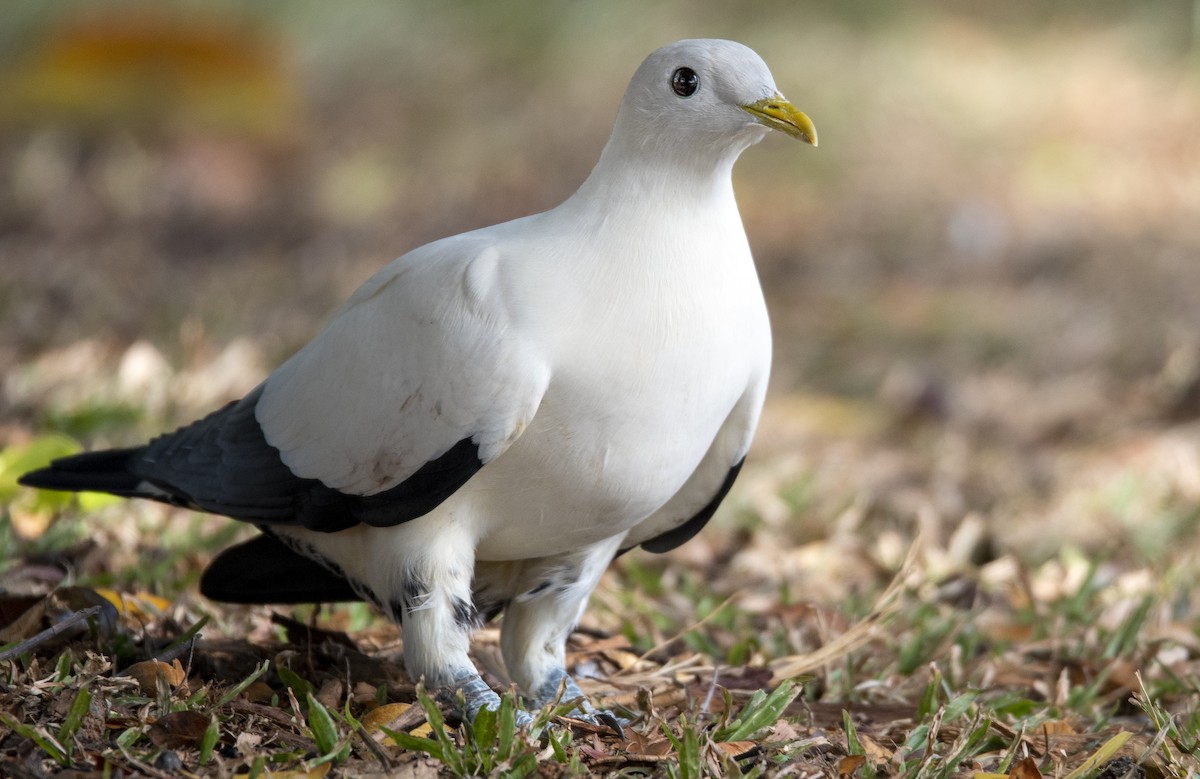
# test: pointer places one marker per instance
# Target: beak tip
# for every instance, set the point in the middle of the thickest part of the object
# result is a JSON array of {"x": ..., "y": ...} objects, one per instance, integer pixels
[{"x": 779, "y": 114}]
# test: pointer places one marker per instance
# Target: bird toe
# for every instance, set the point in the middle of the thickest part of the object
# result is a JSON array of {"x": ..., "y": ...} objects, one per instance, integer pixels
[
  {"x": 562, "y": 689},
  {"x": 470, "y": 694},
  {"x": 606, "y": 719}
]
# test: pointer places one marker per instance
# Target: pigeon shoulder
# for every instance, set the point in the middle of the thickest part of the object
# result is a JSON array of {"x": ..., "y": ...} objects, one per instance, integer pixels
[{"x": 424, "y": 355}]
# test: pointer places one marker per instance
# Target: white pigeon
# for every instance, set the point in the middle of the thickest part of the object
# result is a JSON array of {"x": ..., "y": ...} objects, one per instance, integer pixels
[{"x": 494, "y": 416}]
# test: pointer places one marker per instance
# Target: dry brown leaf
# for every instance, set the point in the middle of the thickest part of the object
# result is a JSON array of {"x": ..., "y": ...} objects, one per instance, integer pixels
[
  {"x": 782, "y": 732},
  {"x": 850, "y": 764},
  {"x": 330, "y": 694},
  {"x": 876, "y": 752},
  {"x": 657, "y": 749},
  {"x": 1025, "y": 769},
  {"x": 26, "y": 624},
  {"x": 608, "y": 643},
  {"x": 178, "y": 729},
  {"x": 258, "y": 692},
  {"x": 736, "y": 749},
  {"x": 622, "y": 659},
  {"x": 364, "y": 695},
  {"x": 641, "y": 744},
  {"x": 383, "y": 715},
  {"x": 148, "y": 672},
  {"x": 1055, "y": 728}
]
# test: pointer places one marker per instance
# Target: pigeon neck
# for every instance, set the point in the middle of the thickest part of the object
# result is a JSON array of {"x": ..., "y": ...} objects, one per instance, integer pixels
[{"x": 633, "y": 172}]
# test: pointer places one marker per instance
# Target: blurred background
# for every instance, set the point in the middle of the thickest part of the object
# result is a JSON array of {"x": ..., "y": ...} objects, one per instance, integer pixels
[{"x": 984, "y": 283}]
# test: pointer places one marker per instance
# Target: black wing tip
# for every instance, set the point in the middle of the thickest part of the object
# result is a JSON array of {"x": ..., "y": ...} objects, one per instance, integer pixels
[
  {"x": 48, "y": 479},
  {"x": 103, "y": 471},
  {"x": 41, "y": 479},
  {"x": 423, "y": 491}
]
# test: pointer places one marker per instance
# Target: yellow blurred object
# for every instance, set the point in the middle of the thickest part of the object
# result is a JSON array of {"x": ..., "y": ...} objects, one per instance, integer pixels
[
  {"x": 141, "y": 606},
  {"x": 383, "y": 716},
  {"x": 153, "y": 69},
  {"x": 29, "y": 525}
]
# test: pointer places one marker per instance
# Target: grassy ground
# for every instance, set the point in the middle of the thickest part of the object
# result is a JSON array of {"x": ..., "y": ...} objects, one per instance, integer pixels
[{"x": 966, "y": 541}]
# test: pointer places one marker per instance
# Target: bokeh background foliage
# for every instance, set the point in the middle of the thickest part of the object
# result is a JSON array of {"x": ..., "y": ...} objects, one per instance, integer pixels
[{"x": 984, "y": 284}]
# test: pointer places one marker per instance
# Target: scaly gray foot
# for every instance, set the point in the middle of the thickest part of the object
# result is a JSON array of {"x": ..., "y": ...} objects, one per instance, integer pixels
[
  {"x": 561, "y": 688},
  {"x": 477, "y": 695}
]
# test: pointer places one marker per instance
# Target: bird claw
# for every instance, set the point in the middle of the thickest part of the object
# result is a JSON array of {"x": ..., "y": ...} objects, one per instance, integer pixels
[
  {"x": 476, "y": 695},
  {"x": 563, "y": 689},
  {"x": 602, "y": 718}
]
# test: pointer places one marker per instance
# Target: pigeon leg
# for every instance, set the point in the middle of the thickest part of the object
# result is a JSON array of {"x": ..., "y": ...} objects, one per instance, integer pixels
[
  {"x": 536, "y": 624},
  {"x": 434, "y": 606}
]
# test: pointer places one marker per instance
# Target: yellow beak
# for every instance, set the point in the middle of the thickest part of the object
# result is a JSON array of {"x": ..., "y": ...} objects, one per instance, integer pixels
[{"x": 778, "y": 114}]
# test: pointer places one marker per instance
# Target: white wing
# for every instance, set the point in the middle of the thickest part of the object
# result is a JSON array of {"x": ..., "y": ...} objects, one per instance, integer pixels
[{"x": 423, "y": 356}]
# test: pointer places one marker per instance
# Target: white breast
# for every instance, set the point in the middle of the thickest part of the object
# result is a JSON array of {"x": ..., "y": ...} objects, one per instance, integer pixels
[{"x": 636, "y": 396}]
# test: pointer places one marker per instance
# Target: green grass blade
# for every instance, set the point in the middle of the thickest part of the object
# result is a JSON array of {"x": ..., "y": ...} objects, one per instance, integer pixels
[
  {"x": 959, "y": 706},
  {"x": 43, "y": 740},
  {"x": 238, "y": 688},
  {"x": 411, "y": 743},
  {"x": 79, "y": 709},
  {"x": 1101, "y": 756},
  {"x": 302, "y": 687},
  {"x": 760, "y": 713},
  {"x": 507, "y": 728},
  {"x": 208, "y": 741},
  {"x": 322, "y": 726}
]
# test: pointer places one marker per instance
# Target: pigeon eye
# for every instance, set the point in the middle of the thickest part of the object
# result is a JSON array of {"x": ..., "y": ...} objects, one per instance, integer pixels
[{"x": 685, "y": 82}]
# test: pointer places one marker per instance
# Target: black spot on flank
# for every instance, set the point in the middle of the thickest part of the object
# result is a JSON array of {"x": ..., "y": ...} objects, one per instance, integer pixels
[
  {"x": 569, "y": 580},
  {"x": 464, "y": 614},
  {"x": 414, "y": 590}
]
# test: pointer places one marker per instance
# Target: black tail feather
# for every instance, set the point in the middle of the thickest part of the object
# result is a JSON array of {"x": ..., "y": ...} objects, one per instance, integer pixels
[
  {"x": 104, "y": 471},
  {"x": 264, "y": 570}
]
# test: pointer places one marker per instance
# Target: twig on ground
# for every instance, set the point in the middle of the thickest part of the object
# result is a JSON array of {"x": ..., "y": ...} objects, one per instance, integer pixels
[{"x": 51, "y": 632}]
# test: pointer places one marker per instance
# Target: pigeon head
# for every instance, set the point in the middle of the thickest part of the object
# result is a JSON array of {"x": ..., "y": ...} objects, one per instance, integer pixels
[{"x": 701, "y": 103}]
